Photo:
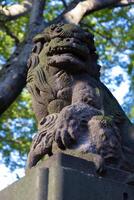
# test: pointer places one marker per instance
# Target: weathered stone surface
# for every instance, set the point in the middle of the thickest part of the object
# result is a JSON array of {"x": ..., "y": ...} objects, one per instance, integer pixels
[
  {"x": 34, "y": 186},
  {"x": 64, "y": 177},
  {"x": 73, "y": 108}
]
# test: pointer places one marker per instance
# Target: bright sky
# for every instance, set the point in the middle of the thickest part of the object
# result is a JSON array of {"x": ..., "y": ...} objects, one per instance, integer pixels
[
  {"x": 6, "y": 177},
  {"x": 120, "y": 91}
]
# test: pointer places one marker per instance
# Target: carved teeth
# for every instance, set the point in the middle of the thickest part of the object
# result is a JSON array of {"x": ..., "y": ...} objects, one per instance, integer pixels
[{"x": 69, "y": 49}]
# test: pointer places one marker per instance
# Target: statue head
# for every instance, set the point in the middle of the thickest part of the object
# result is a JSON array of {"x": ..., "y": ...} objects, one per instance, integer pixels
[{"x": 68, "y": 46}]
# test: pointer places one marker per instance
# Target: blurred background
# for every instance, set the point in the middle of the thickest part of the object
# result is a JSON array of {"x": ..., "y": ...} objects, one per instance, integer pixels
[{"x": 113, "y": 29}]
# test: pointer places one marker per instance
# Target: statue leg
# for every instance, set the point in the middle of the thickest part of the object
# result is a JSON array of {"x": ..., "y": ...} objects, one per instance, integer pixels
[{"x": 42, "y": 142}]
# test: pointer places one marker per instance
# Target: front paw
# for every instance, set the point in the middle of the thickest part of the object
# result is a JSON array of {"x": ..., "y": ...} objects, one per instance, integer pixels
[
  {"x": 66, "y": 134},
  {"x": 66, "y": 129},
  {"x": 43, "y": 140}
]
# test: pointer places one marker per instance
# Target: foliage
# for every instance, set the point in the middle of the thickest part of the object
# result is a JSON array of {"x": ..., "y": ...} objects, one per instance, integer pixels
[
  {"x": 10, "y": 35},
  {"x": 17, "y": 126},
  {"x": 113, "y": 30}
]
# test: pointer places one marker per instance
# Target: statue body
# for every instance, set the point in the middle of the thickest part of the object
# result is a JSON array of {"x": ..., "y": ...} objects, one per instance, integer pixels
[{"x": 74, "y": 110}]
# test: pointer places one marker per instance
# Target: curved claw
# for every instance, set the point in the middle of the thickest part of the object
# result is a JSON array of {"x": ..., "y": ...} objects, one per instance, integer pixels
[
  {"x": 99, "y": 164},
  {"x": 63, "y": 139},
  {"x": 41, "y": 145},
  {"x": 59, "y": 142},
  {"x": 36, "y": 154}
]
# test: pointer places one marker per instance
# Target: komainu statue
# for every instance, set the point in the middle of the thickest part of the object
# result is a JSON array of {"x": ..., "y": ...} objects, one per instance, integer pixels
[{"x": 74, "y": 109}]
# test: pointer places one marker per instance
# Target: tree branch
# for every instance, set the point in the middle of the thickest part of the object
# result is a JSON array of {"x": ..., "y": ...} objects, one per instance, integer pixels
[
  {"x": 78, "y": 9},
  {"x": 64, "y": 3},
  {"x": 125, "y": 2},
  {"x": 10, "y": 33},
  {"x": 13, "y": 75},
  {"x": 14, "y": 11},
  {"x": 105, "y": 35},
  {"x": 37, "y": 12}
]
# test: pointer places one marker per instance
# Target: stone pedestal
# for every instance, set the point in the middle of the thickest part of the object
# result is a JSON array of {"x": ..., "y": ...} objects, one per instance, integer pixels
[{"x": 65, "y": 177}]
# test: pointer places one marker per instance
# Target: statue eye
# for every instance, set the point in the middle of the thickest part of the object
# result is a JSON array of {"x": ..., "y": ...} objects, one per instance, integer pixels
[
  {"x": 58, "y": 29},
  {"x": 52, "y": 27}
]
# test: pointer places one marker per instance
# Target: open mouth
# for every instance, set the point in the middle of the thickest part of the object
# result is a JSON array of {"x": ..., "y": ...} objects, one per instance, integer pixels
[
  {"x": 80, "y": 53},
  {"x": 70, "y": 55},
  {"x": 65, "y": 58}
]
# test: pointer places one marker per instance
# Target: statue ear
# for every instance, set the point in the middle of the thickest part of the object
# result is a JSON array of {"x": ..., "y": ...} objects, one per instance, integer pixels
[
  {"x": 39, "y": 38},
  {"x": 37, "y": 47},
  {"x": 33, "y": 61}
]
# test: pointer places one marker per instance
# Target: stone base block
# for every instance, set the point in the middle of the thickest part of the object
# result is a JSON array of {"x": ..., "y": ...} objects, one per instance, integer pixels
[{"x": 65, "y": 177}]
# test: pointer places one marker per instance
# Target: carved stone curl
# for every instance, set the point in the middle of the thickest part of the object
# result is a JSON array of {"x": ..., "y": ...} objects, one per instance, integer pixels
[{"x": 73, "y": 108}]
